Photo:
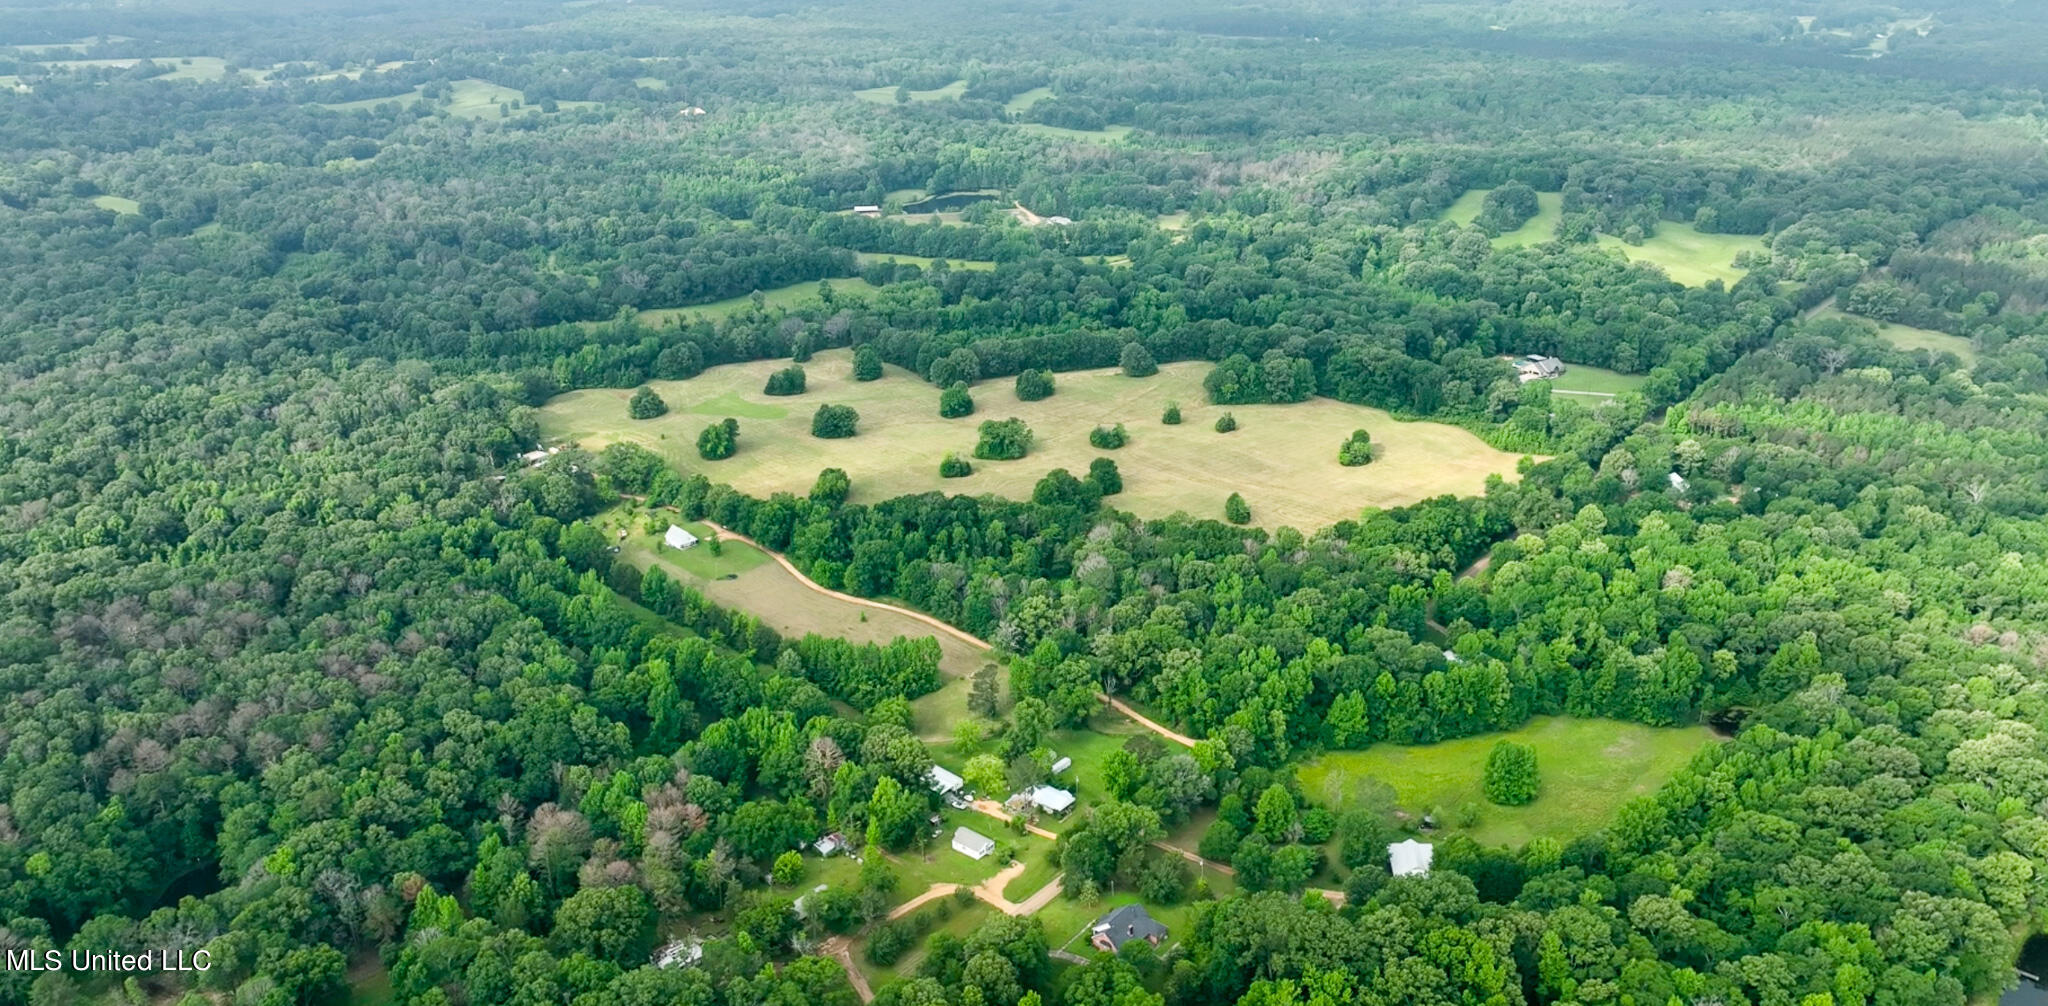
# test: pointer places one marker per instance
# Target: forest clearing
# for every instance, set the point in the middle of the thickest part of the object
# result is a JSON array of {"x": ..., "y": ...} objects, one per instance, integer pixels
[
  {"x": 1589, "y": 768},
  {"x": 1282, "y": 458}
]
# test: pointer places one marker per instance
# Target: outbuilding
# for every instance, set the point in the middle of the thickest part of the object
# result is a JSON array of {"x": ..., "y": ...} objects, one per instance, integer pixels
[
  {"x": 1410, "y": 858},
  {"x": 679, "y": 537}
]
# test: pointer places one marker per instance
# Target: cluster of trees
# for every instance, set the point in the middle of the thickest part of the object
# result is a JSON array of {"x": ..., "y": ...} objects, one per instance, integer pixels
[
  {"x": 1003, "y": 440},
  {"x": 835, "y": 422},
  {"x": 720, "y": 440},
  {"x": 645, "y": 404},
  {"x": 786, "y": 381},
  {"x": 1356, "y": 449}
]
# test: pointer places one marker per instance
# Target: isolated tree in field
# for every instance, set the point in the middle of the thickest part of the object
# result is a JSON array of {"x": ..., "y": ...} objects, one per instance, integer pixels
[
  {"x": 867, "y": 363},
  {"x": 955, "y": 467},
  {"x": 1108, "y": 438},
  {"x": 832, "y": 487},
  {"x": 1059, "y": 487},
  {"x": 1171, "y": 416},
  {"x": 1102, "y": 472},
  {"x": 1137, "y": 361},
  {"x": 719, "y": 441},
  {"x": 1510, "y": 778},
  {"x": 646, "y": 404},
  {"x": 1236, "y": 510},
  {"x": 1226, "y": 423},
  {"x": 1356, "y": 451},
  {"x": 984, "y": 693},
  {"x": 834, "y": 422},
  {"x": 1034, "y": 385},
  {"x": 1506, "y": 208},
  {"x": 787, "y": 381},
  {"x": 955, "y": 402},
  {"x": 1003, "y": 440}
]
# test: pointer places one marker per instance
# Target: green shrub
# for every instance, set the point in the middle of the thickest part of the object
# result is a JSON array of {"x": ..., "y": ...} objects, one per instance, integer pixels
[
  {"x": 1226, "y": 423},
  {"x": 1108, "y": 438},
  {"x": 834, "y": 422},
  {"x": 787, "y": 381},
  {"x": 1003, "y": 440},
  {"x": 646, "y": 404}
]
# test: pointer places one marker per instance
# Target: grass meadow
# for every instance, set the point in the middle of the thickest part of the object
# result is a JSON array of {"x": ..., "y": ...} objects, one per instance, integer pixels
[
  {"x": 1588, "y": 768},
  {"x": 1283, "y": 458}
]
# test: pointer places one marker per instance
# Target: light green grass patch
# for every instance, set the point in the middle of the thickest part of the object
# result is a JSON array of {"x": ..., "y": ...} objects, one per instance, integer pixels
[
  {"x": 1588, "y": 768},
  {"x": 1908, "y": 338},
  {"x": 903, "y": 195},
  {"x": 1688, "y": 256},
  {"x": 1581, "y": 379},
  {"x": 1537, "y": 229},
  {"x": 651, "y": 83},
  {"x": 369, "y": 983},
  {"x": 1172, "y": 221},
  {"x": 117, "y": 204},
  {"x": 1018, "y": 103},
  {"x": 887, "y": 95},
  {"x": 181, "y": 67},
  {"x": 1112, "y": 133},
  {"x": 1068, "y": 920},
  {"x": 738, "y": 408},
  {"x": 1466, "y": 208},
  {"x": 781, "y": 296},
  {"x": 1283, "y": 458},
  {"x": 968, "y": 264},
  {"x": 961, "y": 923},
  {"x": 206, "y": 229},
  {"x": 407, "y": 99}
]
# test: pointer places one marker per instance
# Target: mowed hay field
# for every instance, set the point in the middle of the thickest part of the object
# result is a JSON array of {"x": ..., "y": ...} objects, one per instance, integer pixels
[
  {"x": 1909, "y": 338},
  {"x": 1283, "y": 458},
  {"x": 1688, "y": 256},
  {"x": 1587, "y": 770}
]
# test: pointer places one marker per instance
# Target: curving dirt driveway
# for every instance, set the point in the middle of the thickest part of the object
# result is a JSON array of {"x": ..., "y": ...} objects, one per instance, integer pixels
[{"x": 957, "y": 633}]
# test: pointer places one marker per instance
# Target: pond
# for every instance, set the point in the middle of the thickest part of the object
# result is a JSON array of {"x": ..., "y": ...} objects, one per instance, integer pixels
[
  {"x": 2033, "y": 975},
  {"x": 947, "y": 202}
]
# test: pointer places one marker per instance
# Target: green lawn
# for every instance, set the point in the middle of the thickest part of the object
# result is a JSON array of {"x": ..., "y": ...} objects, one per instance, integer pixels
[
  {"x": 651, "y": 83},
  {"x": 1688, "y": 256},
  {"x": 1909, "y": 338},
  {"x": 1108, "y": 134},
  {"x": 1589, "y": 768},
  {"x": 1466, "y": 208},
  {"x": 1018, "y": 103},
  {"x": 781, "y": 296},
  {"x": 1067, "y": 920},
  {"x": 967, "y": 264},
  {"x": 1172, "y": 221},
  {"x": 887, "y": 95},
  {"x": 1040, "y": 869},
  {"x": 963, "y": 921},
  {"x": 1582, "y": 379},
  {"x": 369, "y": 983},
  {"x": 365, "y": 104},
  {"x": 182, "y": 67},
  {"x": 640, "y": 548},
  {"x": 118, "y": 204},
  {"x": 1537, "y": 229},
  {"x": 1283, "y": 458},
  {"x": 471, "y": 98}
]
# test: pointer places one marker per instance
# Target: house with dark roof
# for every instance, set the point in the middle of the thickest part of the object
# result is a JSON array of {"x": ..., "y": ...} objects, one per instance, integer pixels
[
  {"x": 1537, "y": 367},
  {"x": 1122, "y": 925}
]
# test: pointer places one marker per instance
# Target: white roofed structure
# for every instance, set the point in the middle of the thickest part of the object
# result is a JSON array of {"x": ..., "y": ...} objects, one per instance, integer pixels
[
  {"x": 943, "y": 781},
  {"x": 679, "y": 537},
  {"x": 1410, "y": 858}
]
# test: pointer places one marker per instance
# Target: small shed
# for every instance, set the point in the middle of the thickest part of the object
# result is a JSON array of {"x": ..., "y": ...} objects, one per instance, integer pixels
[
  {"x": 972, "y": 844},
  {"x": 943, "y": 781},
  {"x": 831, "y": 845},
  {"x": 1062, "y": 765},
  {"x": 1410, "y": 858},
  {"x": 867, "y": 210},
  {"x": 679, "y": 537},
  {"x": 1678, "y": 482}
]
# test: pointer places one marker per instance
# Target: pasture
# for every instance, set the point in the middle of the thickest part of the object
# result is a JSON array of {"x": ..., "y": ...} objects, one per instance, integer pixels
[
  {"x": 182, "y": 67},
  {"x": 1588, "y": 768},
  {"x": 920, "y": 261},
  {"x": 117, "y": 204},
  {"x": 886, "y": 95},
  {"x": 1908, "y": 338},
  {"x": 1111, "y": 133},
  {"x": 1019, "y": 102},
  {"x": 406, "y": 99},
  {"x": 1688, "y": 256},
  {"x": 1283, "y": 458},
  {"x": 781, "y": 296},
  {"x": 1580, "y": 379}
]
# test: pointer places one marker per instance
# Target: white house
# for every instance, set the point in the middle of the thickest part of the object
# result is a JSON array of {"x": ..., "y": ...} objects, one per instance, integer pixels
[
  {"x": 678, "y": 537},
  {"x": 944, "y": 782},
  {"x": 1050, "y": 799},
  {"x": 1410, "y": 858},
  {"x": 972, "y": 844}
]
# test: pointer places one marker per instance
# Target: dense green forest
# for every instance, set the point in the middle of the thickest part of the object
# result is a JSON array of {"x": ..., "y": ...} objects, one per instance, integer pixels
[{"x": 304, "y": 666}]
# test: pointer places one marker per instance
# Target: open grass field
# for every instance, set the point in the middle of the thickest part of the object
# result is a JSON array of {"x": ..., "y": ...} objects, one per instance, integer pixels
[
  {"x": 1589, "y": 768},
  {"x": 118, "y": 204},
  {"x": 1688, "y": 256},
  {"x": 1018, "y": 103},
  {"x": 781, "y": 296},
  {"x": 1067, "y": 920},
  {"x": 1466, "y": 208},
  {"x": 182, "y": 67},
  {"x": 961, "y": 923},
  {"x": 1534, "y": 231},
  {"x": 1909, "y": 338},
  {"x": 651, "y": 83},
  {"x": 1112, "y": 133},
  {"x": 1283, "y": 458},
  {"x": 1580, "y": 379},
  {"x": 1172, "y": 221},
  {"x": 968, "y": 264},
  {"x": 887, "y": 95},
  {"x": 407, "y": 99}
]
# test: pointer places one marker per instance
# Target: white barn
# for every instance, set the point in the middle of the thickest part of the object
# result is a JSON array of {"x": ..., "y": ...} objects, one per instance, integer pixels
[
  {"x": 1410, "y": 858},
  {"x": 679, "y": 537},
  {"x": 944, "y": 782}
]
